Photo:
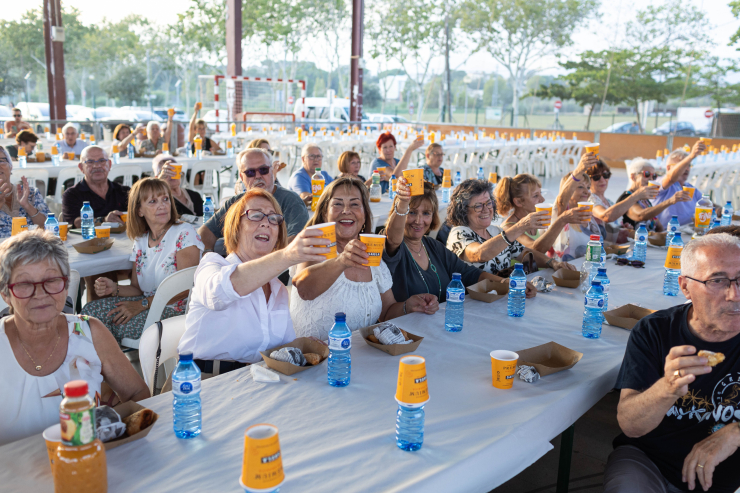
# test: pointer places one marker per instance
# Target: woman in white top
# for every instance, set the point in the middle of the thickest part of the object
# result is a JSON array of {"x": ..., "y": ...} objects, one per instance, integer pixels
[
  {"x": 244, "y": 287},
  {"x": 162, "y": 246},
  {"x": 344, "y": 284},
  {"x": 41, "y": 348}
]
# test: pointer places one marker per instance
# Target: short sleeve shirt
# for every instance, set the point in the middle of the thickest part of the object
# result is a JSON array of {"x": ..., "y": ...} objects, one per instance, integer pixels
[
  {"x": 77, "y": 148},
  {"x": 148, "y": 147},
  {"x": 300, "y": 182},
  {"x": 684, "y": 210},
  {"x": 115, "y": 200},
  {"x": 462, "y": 236}
]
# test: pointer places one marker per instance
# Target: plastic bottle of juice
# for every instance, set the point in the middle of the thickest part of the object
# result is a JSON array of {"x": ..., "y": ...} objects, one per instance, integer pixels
[
  {"x": 318, "y": 182},
  {"x": 80, "y": 465},
  {"x": 375, "y": 189}
]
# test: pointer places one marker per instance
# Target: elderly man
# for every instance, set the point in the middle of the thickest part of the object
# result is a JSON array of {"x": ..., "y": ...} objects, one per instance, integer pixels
[
  {"x": 12, "y": 127},
  {"x": 152, "y": 146},
  {"x": 300, "y": 182},
  {"x": 107, "y": 198},
  {"x": 678, "y": 166},
  {"x": 70, "y": 142},
  {"x": 681, "y": 416},
  {"x": 256, "y": 170}
]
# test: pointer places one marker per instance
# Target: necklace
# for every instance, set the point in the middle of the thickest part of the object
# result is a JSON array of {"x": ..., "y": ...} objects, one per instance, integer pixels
[
  {"x": 157, "y": 238},
  {"x": 434, "y": 269},
  {"x": 420, "y": 248},
  {"x": 38, "y": 367}
]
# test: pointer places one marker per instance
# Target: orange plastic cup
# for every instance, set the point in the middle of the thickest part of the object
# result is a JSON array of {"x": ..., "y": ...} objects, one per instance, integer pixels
[
  {"x": 653, "y": 184},
  {"x": 447, "y": 172},
  {"x": 328, "y": 232},
  {"x": 178, "y": 171},
  {"x": 412, "y": 389},
  {"x": 503, "y": 368},
  {"x": 493, "y": 178},
  {"x": 593, "y": 148},
  {"x": 690, "y": 191},
  {"x": 545, "y": 207},
  {"x": 446, "y": 182},
  {"x": 165, "y": 147},
  {"x": 40, "y": 157},
  {"x": 63, "y": 228},
  {"x": 262, "y": 467},
  {"x": 102, "y": 231},
  {"x": 70, "y": 156},
  {"x": 20, "y": 224},
  {"x": 374, "y": 244},
  {"x": 53, "y": 437},
  {"x": 707, "y": 141},
  {"x": 588, "y": 205},
  {"x": 415, "y": 179},
  {"x": 124, "y": 217},
  {"x": 171, "y": 112}
]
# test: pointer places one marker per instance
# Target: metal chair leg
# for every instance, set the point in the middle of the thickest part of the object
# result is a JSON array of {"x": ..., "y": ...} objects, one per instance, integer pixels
[{"x": 566, "y": 454}]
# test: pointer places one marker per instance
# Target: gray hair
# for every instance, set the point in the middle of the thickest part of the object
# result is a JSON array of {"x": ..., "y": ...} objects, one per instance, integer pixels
[
  {"x": 637, "y": 165},
  {"x": 30, "y": 247},
  {"x": 150, "y": 125},
  {"x": 676, "y": 156},
  {"x": 304, "y": 150},
  {"x": 69, "y": 125},
  {"x": 689, "y": 260},
  {"x": 242, "y": 156},
  {"x": 87, "y": 149},
  {"x": 457, "y": 212}
]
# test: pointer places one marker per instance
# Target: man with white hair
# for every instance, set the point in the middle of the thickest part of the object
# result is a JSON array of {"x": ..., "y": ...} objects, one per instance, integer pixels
[
  {"x": 300, "y": 182},
  {"x": 71, "y": 143},
  {"x": 678, "y": 166},
  {"x": 152, "y": 145},
  {"x": 679, "y": 407}
]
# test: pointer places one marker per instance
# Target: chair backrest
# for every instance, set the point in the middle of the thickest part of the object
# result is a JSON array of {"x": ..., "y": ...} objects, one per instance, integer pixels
[
  {"x": 65, "y": 174},
  {"x": 72, "y": 287},
  {"x": 173, "y": 284},
  {"x": 127, "y": 171},
  {"x": 34, "y": 176},
  {"x": 172, "y": 330},
  {"x": 210, "y": 168}
]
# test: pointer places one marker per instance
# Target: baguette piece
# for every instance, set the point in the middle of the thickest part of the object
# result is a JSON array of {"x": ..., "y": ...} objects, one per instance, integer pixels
[
  {"x": 138, "y": 421},
  {"x": 312, "y": 358},
  {"x": 713, "y": 358}
]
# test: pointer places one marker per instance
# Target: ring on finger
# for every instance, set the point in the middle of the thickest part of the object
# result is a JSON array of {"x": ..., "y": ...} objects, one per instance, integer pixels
[
  {"x": 700, "y": 465},
  {"x": 677, "y": 373}
]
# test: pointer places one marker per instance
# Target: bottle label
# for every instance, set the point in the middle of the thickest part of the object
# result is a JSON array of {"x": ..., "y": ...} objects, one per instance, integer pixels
[
  {"x": 78, "y": 428},
  {"x": 207, "y": 209},
  {"x": 85, "y": 216},
  {"x": 186, "y": 387},
  {"x": 673, "y": 258},
  {"x": 703, "y": 217},
  {"x": 593, "y": 253},
  {"x": 340, "y": 343},
  {"x": 512, "y": 283},
  {"x": 605, "y": 287},
  {"x": 674, "y": 228},
  {"x": 317, "y": 187},
  {"x": 456, "y": 296},
  {"x": 641, "y": 238},
  {"x": 593, "y": 303}
]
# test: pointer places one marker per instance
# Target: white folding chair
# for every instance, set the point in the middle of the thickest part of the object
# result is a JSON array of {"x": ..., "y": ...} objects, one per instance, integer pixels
[
  {"x": 127, "y": 171},
  {"x": 38, "y": 178},
  {"x": 73, "y": 286},
  {"x": 173, "y": 284},
  {"x": 209, "y": 169},
  {"x": 65, "y": 174},
  {"x": 172, "y": 330}
]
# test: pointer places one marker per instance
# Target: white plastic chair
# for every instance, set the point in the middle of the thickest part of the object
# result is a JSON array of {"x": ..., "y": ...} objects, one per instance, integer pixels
[
  {"x": 171, "y": 285},
  {"x": 172, "y": 330},
  {"x": 65, "y": 174},
  {"x": 209, "y": 169},
  {"x": 127, "y": 171},
  {"x": 36, "y": 178}
]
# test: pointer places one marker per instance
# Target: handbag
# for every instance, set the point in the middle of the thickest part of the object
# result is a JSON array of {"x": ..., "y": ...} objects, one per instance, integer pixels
[
  {"x": 529, "y": 266},
  {"x": 155, "y": 390}
]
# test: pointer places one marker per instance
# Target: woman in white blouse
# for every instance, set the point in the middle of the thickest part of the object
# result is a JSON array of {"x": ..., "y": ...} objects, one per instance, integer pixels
[
  {"x": 238, "y": 306},
  {"x": 344, "y": 284},
  {"x": 162, "y": 246},
  {"x": 41, "y": 348}
]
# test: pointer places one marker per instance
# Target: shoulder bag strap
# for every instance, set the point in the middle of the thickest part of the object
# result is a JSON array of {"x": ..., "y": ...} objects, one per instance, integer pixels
[{"x": 157, "y": 390}]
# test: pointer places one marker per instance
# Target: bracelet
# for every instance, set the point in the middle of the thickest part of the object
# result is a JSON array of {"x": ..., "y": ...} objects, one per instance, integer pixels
[
  {"x": 395, "y": 209},
  {"x": 38, "y": 211},
  {"x": 503, "y": 235},
  {"x": 549, "y": 263},
  {"x": 404, "y": 307},
  {"x": 574, "y": 177},
  {"x": 118, "y": 288}
]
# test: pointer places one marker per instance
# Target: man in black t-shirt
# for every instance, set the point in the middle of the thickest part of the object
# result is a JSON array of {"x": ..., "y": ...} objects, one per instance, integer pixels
[{"x": 681, "y": 417}]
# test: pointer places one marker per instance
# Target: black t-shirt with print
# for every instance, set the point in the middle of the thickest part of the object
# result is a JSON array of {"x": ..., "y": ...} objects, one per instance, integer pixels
[{"x": 713, "y": 399}]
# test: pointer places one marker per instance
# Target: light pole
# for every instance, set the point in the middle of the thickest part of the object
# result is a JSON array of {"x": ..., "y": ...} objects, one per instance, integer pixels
[
  {"x": 92, "y": 88},
  {"x": 28, "y": 86},
  {"x": 177, "y": 92}
]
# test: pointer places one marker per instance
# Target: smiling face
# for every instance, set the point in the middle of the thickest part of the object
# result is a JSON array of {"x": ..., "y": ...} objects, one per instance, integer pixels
[
  {"x": 257, "y": 239},
  {"x": 41, "y": 307},
  {"x": 527, "y": 202},
  {"x": 4, "y": 168},
  {"x": 156, "y": 210},
  {"x": 684, "y": 176},
  {"x": 346, "y": 209},
  {"x": 96, "y": 166},
  {"x": 480, "y": 220},
  {"x": 640, "y": 177},
  {"x": 387, "y": 151},
  {"x": 123, "y": 133},
  {"x": 258, "y": 163},
  {"x": 599, "y": 187},
  {"x": 580, "y": 194},
  {"x": 419, "y": 220}
]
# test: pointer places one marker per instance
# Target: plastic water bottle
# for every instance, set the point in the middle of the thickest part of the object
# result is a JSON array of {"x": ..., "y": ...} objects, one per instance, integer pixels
[
  {"x": 340, "y": 361},
  {"x": 208, "y": 209},
  {"x": 602, "y": 262},
  {"x": 229, "y": 149},
  {"x": 592, "y": 262},
  {"x": 445, "y": 195},
  {"x": 22, "y": 160},
  {"x": 88, "y": 221},
  {"x": 454, "y": 307},
  {"x": 716, "y": 223},
  {"x": 55, "y": 156},
  {"x": 673, "y": 266},
  {"x": 481, "y": 175},
  {"x": 458, "y": 178},
  {"x": 409, "y": 428},
  {"x": 640, "y": 243},
  {"x": 392, "y": 192},
  {"x": 116, "y": 158},
  {"x": 131, "y": 151},
  {"x": 517, "y": 291},
  {"x": 187, "y": 416},
  {"x": 727, "y": 212},
  {"x": 672, "y": 228},
  {"x": 604, "y": 280},
  {"x": 51, "y": 224},
  {"x": 593, "y": 311}
]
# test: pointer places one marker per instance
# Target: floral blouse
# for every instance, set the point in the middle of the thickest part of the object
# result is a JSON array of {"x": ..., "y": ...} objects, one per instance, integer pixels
[
  {"x": 7, "y": 214},
  {"x": 462, "y": 236},
  {"x": 153, "y": 264}
]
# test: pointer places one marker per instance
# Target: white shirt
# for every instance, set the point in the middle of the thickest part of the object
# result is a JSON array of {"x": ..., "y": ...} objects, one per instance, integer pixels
[
  {"x": 31, "y": 403},
  {"x": 221, "y": 325}
]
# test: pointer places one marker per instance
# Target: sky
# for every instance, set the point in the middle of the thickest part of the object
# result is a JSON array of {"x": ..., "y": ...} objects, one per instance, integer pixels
[{"x": 606, "y": 32}]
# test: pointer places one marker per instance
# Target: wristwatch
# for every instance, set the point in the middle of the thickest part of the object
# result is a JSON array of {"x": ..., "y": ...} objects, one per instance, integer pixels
[{"x": 145, "y": 303}]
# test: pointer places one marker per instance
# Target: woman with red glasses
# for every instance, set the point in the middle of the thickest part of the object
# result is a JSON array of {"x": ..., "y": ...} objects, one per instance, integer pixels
[{"x": 640, "y": 173}]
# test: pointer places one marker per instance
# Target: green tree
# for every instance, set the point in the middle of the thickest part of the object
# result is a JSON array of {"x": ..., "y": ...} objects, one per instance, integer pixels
[
  {"x": 127, "y": 84},
  {"x": 713, "y": 81}
]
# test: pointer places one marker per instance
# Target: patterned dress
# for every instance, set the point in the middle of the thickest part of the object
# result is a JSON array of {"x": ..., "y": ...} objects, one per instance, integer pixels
[
  {"x": 8, "y": 213},
  {"x": 151, "y": 266},
  {"x": 462, "y": 236}
]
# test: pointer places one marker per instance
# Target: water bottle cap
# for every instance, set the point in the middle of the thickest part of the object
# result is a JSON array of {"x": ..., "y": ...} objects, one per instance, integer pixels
[
  {"x": 456, "y": 276},
  {"x": 674, "y": 217},
  {"x": 595, "y": 283},
  {"x": 340, "y": 317},
  {"x": 50, "y": 215},
  {"x": 602, "y": 270},
  {"x": 519, "y": 266},
  {"x": 186, "y": 356},
  {"x": 86, "y": 202},
  {"x": 595, "y": 237},
  {"x": 393, "y": 177},
  {"x": 729, "y": 202}
]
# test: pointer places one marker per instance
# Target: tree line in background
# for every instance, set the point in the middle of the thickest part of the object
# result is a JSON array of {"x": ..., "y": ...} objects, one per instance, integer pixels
[{"x": 664, "y": 56}]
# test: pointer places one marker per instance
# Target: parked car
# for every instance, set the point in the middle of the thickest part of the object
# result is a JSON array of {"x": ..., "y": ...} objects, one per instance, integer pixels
[
  {"x": 623, "y": 128},
  {"x": 35, "y": 113},
  {"x": 676, "y": 128},
  {"x": 5, "y": 113}
]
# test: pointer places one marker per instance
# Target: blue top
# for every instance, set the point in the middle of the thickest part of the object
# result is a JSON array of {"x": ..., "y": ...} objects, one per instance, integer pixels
[
  {"x": 684, "y": 210},
  {"x": 301, "y": 181},
  {"x": 77, "y": 148},
  {"x": 379, "y": 163}
]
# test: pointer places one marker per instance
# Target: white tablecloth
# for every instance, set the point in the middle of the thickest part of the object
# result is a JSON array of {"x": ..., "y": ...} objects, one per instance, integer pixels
[
  {"x": 117, "y": 258},
  {"x": 476, "y": 437}
]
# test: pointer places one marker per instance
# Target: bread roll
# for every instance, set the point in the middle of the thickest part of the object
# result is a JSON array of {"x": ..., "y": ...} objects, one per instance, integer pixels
[
  {"x": 138, "y": 421},
  {"x": 372, "y": 338},
  {"x": 312, "y": 358}
]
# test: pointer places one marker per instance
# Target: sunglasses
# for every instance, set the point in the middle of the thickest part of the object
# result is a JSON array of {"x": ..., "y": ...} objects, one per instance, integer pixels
[
  {"x": 606, "y": 175},
  {"x": 252, "y": 172},
  {"x": 649, "y": 175},
  {"x": 257, "y": 216},
  {"x": 633, "y": 263}
]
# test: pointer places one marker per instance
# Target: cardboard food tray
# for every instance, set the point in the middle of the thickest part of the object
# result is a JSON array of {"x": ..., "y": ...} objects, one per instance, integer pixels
[
  {"x": 627, "y": 316},
  {"x": 119, "y": 229},
  {"x": 480, "y": 290},
  {"x": 657, "y": 239},
  {"x": 566, "y": 278},
  {"x": 616, "y": 249},
  {"x": 96, "y": 245},
  {"x": 549, "y": 358},
  {"x": 125, "y": 410},
  {"x": 306, "y": 345},
  {"x": 392, "y": 349}
]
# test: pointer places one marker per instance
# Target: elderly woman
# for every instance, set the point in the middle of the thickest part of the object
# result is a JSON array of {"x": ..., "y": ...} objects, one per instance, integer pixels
[
  {"x": 345, "y": 283},
  {"x": 198, "y": 126},
  {"x": 640, "y": 173},
  {"x": 433, "y": 171},
  {"x": 152, "y": 146},
  {"x": 162, "y": 246},
  {"x": 418, "y": 263},
  {"x": 27, "y": 140},
  {"x": 19, "y": 200},
  {"x": 123, "y": 136},
  {"x": 186, "y": 201},
  {"x": 244, "y": 286},
  {"x": 386, "y": 145},
  {"x": 478, "y": 242},
  {"x": 41, "y": 348}
]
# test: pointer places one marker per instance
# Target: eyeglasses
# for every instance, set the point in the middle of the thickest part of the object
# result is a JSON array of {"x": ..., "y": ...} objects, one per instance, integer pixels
[
  {"x": 718, "y": 284},
  {"x": 633, "y": 263},
  {"x": 25, "y": 290},
  {"x": 252, "y": 172},
  {"x": 99, "y": 162},
  {"x": 649, "y": 175},
  {"x": 18, "y": 115},
  {"x": 314, "y": 157},
  {"x": 606, "y": 175},
  {"x": 437, "y": 154},
  {"x": 479, "y": 207},
  {"x": 257, "y": 216}
]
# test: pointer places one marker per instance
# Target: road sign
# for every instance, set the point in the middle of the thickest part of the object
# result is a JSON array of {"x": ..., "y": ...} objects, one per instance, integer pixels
[
  {"x": 558, "y": 104},
  {"x": 709, "y": 113}
]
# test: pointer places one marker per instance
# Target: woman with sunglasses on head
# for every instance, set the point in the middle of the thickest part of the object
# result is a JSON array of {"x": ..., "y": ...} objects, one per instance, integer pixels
[
  {"x": 186, "y": 201},
  {"x": 244, "y": 286},
  {"x": 41, "y": 348},
  {"x": 640, "y": 173}
]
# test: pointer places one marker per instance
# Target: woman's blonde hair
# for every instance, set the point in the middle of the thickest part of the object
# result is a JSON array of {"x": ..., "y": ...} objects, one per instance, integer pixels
[
  {"x": 510, "y": 188},
  {"x": 429, "y": 195},
  {"x": 322, "y": 207},
  {"x": 256, "y": 143},
  {"x": 232, "y": 223},
  {"x": 431, "y": 147},
  {"x": 345, "y": 159},
  {"x": 136, "y": 225}
]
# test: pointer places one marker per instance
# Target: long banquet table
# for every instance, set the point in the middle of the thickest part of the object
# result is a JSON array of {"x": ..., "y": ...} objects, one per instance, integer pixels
[{"x": 476, "y": 437}]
